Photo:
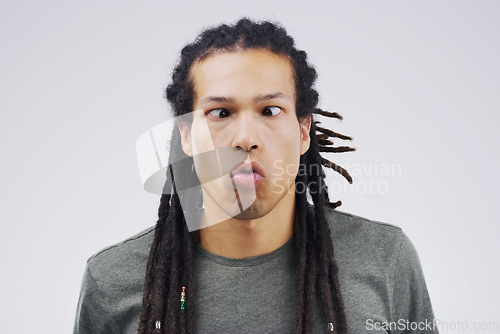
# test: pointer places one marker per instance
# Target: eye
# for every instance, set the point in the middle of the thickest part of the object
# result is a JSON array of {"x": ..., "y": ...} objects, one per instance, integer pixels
[
  {"x": 218, "y": 113},
  {"x": 271, "y": 111}
]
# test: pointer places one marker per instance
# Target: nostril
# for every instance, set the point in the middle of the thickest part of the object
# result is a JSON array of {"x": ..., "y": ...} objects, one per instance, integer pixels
[{"x": 243, "y": 149}]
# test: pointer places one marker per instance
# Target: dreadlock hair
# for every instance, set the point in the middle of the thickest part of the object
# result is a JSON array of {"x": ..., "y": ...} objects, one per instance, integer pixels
[{"x": 169, "y": 266}]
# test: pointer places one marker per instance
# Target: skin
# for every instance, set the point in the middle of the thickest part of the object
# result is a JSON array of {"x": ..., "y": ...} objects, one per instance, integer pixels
[{"x": 245, "y": 100}]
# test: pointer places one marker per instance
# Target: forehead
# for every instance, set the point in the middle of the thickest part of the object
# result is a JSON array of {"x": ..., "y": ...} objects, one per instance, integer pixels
[{"x": 243, "y": 74}]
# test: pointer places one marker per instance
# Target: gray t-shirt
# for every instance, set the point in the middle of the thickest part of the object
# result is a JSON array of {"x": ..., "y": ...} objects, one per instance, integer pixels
[{"x": 379, "y": 271}]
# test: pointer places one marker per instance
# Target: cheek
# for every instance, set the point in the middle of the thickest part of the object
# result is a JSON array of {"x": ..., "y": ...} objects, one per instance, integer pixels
[
  {"x": 288, "y": 139},
  {"x": 285, "y": 151},
  {"x": 200, "y": 137}
]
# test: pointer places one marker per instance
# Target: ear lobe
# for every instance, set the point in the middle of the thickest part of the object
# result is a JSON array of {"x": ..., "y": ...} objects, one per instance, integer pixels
[
  {"x": 185, "y": 131},
  {"x": 305, "y": 138}
]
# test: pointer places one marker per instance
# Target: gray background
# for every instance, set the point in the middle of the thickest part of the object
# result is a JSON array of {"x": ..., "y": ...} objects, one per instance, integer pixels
[{"x": 417, "y": 83}]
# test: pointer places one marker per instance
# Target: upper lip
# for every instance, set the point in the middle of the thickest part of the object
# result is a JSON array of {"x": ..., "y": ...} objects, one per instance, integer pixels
[{"x": 248, "y": 167}]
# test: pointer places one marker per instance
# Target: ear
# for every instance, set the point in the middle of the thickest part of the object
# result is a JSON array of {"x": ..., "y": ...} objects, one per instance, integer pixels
[
  {"x": 305, "y": 138},
  {"x": 185, "y": 131}
]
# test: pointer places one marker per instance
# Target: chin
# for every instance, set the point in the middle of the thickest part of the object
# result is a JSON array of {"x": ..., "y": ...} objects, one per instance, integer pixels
[{"x": 255, "y": 211}]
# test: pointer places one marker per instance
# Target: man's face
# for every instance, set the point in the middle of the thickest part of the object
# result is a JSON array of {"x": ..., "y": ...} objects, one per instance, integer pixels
[{"x": 245, "y": 101}]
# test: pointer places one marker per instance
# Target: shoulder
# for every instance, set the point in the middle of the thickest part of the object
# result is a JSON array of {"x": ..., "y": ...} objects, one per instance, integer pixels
[
  {"x": 348, "y": 226},
  {"x": 112, "y": 285},
  {"x": 126, "y": 259},
  {"x": 357, "y": 238},
  {"x": 379, "y": 270}
]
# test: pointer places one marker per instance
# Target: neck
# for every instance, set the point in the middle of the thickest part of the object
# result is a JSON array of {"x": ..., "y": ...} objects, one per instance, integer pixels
[{"x": 238, "y": 238}]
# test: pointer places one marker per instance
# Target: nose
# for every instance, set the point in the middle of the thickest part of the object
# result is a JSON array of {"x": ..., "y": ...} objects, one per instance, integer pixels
[
  {"x": 246, "y": 149},
  {"x": 246, "y": 133}
]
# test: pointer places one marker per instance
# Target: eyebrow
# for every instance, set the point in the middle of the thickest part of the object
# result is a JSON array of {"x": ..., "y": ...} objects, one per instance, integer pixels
[{"x": 259, "y": 98}]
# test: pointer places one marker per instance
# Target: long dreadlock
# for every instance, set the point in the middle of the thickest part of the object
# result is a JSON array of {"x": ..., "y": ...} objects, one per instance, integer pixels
[{"x": 169, "y": 266}]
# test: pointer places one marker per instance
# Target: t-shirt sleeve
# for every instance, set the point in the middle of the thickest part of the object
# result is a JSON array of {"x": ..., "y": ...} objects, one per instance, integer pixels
[
  {"x": 411, "y": 306},
  {"x": 92, "y": 315}
]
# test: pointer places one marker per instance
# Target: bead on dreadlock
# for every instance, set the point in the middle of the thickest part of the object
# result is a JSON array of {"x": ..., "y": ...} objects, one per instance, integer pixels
[{"x": 183, "y": 297}]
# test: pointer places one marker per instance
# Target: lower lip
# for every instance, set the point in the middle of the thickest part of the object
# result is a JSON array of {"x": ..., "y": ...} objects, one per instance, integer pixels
[{"x": 244, "y": 180}]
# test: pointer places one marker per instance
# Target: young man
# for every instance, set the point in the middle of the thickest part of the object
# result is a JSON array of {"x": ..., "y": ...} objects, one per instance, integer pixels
[{"x": 248, "y": 253}]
